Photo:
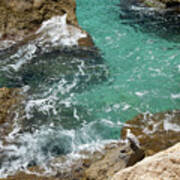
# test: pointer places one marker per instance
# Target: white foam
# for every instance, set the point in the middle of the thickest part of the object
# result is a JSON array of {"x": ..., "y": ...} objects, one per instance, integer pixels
[
  {"x": 58, "y": 32},
  {"x": 23, "y": 55},
  {"x": 155, "y": 70},
  {"x": 141, "y": 93},
  {"x": 171, "y": 126},
  {"x": 75, "y": 114},
  {"x": 126, "y": 107},
  {"x": 30, "y": 149},
  {"x": 175, "y": 96},
  {"x": 6, "y": 43}
]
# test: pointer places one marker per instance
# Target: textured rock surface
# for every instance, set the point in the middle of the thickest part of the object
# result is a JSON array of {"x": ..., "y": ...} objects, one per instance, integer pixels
[
  {"x": 97, "y": 166},
  {"x": 162, "y": 166},
  {"x": 10, "y": 100},
  {"x": 20, "y": 19},
  {"x": 155, "y": 132}
]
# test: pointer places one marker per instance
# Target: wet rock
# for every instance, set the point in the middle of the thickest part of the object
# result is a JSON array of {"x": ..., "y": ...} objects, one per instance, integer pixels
[
  {"x": 21, "y": 19},
  {"x": 173, "y": 4},
  {"x": 99, "y": 165},
  {"x": 10, "y": 100},
  {"x": 155, "y": 132},
  {"x": 164, "y": 165}
]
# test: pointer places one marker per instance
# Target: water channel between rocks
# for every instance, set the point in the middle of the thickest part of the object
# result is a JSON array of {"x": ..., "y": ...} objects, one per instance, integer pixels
[{"x": 81, "y": 101}]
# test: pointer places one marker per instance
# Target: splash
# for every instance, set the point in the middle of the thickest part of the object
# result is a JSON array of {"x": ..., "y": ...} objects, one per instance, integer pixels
[{"x": 58, "y": 32}]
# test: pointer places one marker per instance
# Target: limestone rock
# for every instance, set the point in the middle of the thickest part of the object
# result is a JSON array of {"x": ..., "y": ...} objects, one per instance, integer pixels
[
  {"x": 20, "y": 19},
  {"x": 112, "y": 161},
  {"x": 162, "y": 166}
]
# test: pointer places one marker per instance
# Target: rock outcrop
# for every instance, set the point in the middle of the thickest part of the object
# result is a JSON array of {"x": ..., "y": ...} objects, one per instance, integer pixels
[
  {"x": 10, "y": 100},
  {"x": 99, "y": 165},
  {"x": 155, "y": 132},
  {"x": 162, "y": 166},
  {"x": 20, "y": 19}
]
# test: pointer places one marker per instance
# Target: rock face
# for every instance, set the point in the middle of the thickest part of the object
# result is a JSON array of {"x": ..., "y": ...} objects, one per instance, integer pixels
[
  {"x": 97, "y": 166},
  {"x": 164, "y": 165},
  {"x": 21, "y": 18},
  {"x": 155, "y": 132},
  {"x": 10, "y": 100}
]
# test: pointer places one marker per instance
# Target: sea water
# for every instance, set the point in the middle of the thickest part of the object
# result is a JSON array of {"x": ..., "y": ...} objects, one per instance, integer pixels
[{"x": 82, "y": 101}]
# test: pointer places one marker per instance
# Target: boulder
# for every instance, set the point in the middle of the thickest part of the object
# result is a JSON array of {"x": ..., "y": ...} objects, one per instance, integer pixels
[{"x": 164, "y": 165}]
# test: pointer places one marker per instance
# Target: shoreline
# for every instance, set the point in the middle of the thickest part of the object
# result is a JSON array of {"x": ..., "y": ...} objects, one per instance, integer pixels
[{"x": 86, "y": 42}]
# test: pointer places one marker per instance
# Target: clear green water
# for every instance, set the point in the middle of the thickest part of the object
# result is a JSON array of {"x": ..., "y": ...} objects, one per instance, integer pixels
[
  {"x": 144, "y": 71},
  {"x": 76, "y": 101}
]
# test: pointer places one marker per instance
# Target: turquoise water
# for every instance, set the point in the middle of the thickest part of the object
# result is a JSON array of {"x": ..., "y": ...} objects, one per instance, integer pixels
[
  {"x": 81, "y": 100},
  {"x": 144, "y": 68}
]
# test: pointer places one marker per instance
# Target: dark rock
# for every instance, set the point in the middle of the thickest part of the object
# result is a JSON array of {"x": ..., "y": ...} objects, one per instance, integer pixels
[
  {"x": 152, "y": 17},
  {"x": 155, "y": 132}
]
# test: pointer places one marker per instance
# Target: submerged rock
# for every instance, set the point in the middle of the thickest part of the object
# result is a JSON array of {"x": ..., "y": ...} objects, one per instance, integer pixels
[
  {"x": 152, "y": 16},
  {"x": 155, "y": 132},
  {"x": 99, "y": 165},
  {"x": 166, "y": 4},
  {"x": 164, "y": 165}
]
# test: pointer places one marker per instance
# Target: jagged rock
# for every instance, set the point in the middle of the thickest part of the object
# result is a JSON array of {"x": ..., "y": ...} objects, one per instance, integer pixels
[
  {"x": 109, "y": 165},
  {"x": 164, "y": 165},
  {"x": 155, "y": 132},
  {"x": 10, "y": 100},
  {"x": 20, "y": 19},
  {"x": 99, "y": 165}
]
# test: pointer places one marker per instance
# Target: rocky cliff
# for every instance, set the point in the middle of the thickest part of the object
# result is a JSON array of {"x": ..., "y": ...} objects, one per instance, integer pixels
[{"x": 20, "y": 19}]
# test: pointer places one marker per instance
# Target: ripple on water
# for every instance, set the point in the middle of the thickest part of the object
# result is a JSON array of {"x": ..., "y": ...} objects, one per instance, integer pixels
[{"x": 75, "y": 101}]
